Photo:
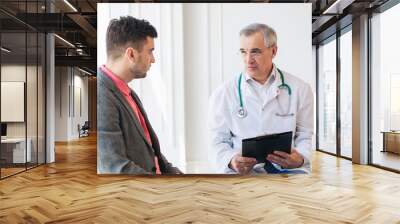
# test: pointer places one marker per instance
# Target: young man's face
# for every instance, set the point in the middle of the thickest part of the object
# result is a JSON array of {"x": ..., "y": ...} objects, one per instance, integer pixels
[
  {"x": 145, "y": 59},
  {"x": 256, "y": 56}
]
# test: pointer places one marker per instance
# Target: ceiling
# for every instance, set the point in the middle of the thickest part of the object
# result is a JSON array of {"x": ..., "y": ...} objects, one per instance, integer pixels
[
  {"x": 75, "y": 21},
  {"x": 75, "y": 43}
]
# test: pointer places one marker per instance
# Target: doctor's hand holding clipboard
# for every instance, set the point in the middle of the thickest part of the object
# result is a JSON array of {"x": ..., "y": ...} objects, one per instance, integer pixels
[
  {"x": 261, "y": 100},
  {"x": 244, "y": 165}
]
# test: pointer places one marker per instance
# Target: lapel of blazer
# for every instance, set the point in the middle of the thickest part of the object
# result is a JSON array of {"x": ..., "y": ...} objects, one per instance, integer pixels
[
  {"x": 110, "y": 84},
  {"x": 153, "y": 136}
]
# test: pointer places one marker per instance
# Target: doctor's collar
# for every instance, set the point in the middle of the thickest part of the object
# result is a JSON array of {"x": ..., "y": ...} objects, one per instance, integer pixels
[{"x": 271, "y": 78}]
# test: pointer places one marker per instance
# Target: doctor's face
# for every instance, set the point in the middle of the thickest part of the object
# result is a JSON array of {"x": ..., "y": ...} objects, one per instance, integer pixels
[{"x": 256, "y": 56}]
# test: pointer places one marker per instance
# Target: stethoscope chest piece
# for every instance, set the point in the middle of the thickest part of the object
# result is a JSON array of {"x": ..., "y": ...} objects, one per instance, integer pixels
[{"x": 241, "y": 112}]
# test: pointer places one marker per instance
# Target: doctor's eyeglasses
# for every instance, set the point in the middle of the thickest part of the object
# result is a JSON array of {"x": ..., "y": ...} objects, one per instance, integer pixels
[{"x": 254, "y": 53}]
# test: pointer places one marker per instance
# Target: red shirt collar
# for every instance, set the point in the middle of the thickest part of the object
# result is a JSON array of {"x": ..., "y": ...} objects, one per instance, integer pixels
[{"x": 121, "y": 84}]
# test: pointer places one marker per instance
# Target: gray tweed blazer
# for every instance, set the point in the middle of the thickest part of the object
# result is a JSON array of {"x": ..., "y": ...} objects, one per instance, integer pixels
[{"x": 121, "y": 144}]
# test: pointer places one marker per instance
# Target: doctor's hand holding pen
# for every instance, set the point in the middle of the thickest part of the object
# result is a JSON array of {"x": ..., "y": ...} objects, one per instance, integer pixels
[
  {"x": 242, "y": 165},
  {"x": 286, "y": 160}
]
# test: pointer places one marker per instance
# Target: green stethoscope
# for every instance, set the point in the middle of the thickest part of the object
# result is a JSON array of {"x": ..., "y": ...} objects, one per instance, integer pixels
[{"x": 242, "y": 113}]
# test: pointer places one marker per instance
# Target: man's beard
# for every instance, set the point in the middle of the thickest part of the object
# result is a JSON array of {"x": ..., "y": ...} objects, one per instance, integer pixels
[
  {"x": 140, "y": 75},
  {"x": 137, "y": 74}
]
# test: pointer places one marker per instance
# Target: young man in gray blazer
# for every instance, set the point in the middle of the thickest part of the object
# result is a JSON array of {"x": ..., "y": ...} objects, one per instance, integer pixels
[{"x": 126, "y": 142}]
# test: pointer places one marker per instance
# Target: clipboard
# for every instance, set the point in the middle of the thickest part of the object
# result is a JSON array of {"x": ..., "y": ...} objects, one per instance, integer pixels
[{"x": 259, "y": 147}]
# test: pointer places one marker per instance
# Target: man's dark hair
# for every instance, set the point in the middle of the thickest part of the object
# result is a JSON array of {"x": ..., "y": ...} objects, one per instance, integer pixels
[{"x": 127, "y": 31}]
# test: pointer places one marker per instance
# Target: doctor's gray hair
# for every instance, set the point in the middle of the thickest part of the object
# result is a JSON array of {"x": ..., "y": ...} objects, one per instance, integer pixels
[{"x": 269, "y": 34}]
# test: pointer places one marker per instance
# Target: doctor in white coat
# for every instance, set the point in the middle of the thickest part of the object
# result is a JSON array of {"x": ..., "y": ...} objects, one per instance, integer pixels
[{"x": 261, "y": 100}]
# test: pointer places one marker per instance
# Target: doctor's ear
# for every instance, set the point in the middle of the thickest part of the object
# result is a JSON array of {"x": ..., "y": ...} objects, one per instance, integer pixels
[{"x": 274, "y": 51}]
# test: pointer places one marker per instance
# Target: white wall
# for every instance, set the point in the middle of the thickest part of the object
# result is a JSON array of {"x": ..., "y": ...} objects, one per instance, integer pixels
[
  {"x": 61, "y": 103},
  {"x": 33, "y": 125},
  {"x": 14, "y": 73},
  {"x": 70, "y": 84},
  {"x": 197, "y": 49},
  {"x": 17, "y": 73},
  {"x": 12, "y": 101}
]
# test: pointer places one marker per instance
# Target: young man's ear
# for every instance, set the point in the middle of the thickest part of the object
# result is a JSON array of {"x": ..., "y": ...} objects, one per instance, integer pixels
[{"x": 132, "y": 54}]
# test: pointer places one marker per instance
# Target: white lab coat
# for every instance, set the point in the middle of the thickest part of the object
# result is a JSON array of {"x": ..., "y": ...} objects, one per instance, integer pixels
[{"x": 227, "y": 130}]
